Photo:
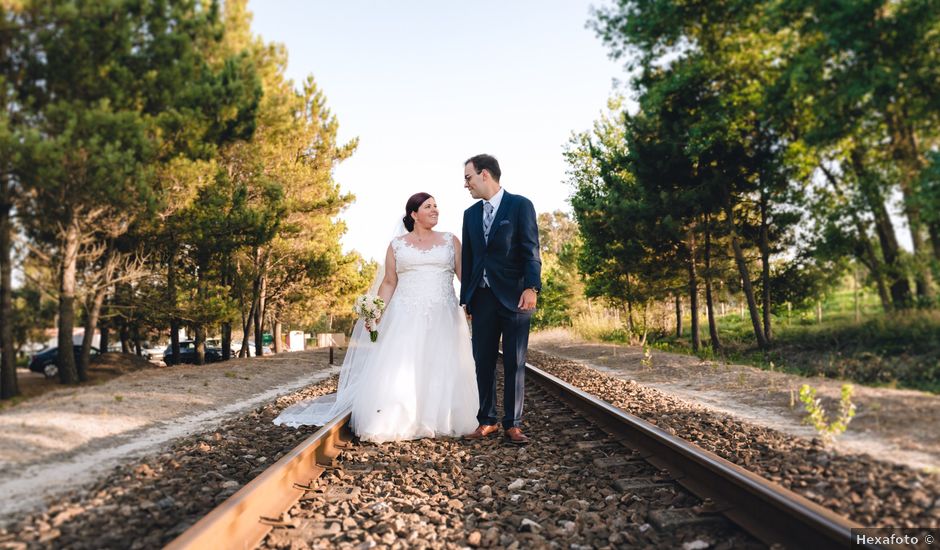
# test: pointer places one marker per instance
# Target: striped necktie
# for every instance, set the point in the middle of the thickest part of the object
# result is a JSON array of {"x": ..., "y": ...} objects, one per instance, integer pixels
[{"x": 487, "y": 220}]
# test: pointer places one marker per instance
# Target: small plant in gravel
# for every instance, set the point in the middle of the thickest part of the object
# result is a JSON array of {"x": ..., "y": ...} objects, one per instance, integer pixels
[
  {"x": 119, "y": 398},
  {"x": 647, "y": 360},
  {"x": 816, "y": 414},
  {"x": 230, "y": 374}
]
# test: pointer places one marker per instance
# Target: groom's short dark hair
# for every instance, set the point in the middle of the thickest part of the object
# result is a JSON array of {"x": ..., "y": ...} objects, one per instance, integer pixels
[{"x": 485, "y": 162}]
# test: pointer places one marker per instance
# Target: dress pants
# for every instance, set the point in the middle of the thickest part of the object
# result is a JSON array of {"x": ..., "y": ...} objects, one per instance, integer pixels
[{"x": 491, "y": 320}]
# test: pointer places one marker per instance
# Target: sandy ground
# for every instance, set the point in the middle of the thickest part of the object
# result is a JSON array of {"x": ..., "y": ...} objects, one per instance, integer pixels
[
  {"x": 64, "y": 438},
  {"x": 103, "y": 368},
  {"x": 895, "y": 425}
]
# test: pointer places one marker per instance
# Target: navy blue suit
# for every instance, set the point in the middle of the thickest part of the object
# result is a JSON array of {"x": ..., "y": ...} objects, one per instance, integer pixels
[{"x": 512, "y": 262}]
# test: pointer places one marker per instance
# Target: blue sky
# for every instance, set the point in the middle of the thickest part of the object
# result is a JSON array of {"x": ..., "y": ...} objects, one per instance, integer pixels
[{"x": 424, "y": 85}]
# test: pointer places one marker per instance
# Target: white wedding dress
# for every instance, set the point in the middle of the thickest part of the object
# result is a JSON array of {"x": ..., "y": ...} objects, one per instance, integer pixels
[{"x": 418, "y": 379}]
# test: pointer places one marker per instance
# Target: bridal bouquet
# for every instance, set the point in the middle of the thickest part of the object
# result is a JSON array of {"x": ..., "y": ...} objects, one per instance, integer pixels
[{"x": 369, "y": 308}]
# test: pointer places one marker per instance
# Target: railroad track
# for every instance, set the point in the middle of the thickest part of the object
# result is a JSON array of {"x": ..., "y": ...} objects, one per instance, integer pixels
[{"x": 592, "y": 471}]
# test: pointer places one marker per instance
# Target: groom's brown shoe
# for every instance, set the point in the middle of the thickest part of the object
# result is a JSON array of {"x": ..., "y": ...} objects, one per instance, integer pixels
[
  {"x": 482, "y": 431},
  {"x": 514, "y": 435}
]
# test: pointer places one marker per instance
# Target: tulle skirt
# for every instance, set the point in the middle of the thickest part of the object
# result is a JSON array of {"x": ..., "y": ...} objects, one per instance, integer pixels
[
  {"x": 417, "y": 380},
  {"x": 420, "y": 379}
]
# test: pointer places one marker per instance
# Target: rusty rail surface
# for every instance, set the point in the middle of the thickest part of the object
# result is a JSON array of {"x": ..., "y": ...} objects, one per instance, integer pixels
[
  {"x": 766, "y": 510},
  {"x": 245, "y": 518}
]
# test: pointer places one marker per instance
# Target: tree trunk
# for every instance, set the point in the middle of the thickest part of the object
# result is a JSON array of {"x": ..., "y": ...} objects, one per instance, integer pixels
[
  {"x": 933, "y": 229},
  {"x": 93, "y": 311},
  {"x": 709, "y": 302},
  {"x": 678, "y": 316},
  {"x": 68, "y": 374},
  {"x": 138, "y": 348},
  {"x": 819, "y": 312},
  {"x": 885, "y": 235},
  {"x": 104, "y": 339},
  {"x": 693, "y": 292},
  {"x": 200, "y": 343},
  {"x": 91, "y": 323},
  {"x": 226, "y": 340},
  {"x": 884, "y": 229},
  {"x": 905, "y": 152},
  {"x": 125, "y": 337},
  {"x": 174, "y": 320},
  {"x": 630, "y": 325},
  {"x": 246, "y": 327},
  {"x": 744, "y": 273},
  {"x": 278, "y": 347},
  {"x": 765, "y": 267},
  {"x": 8, "y": 383},
  {"x": 262, "y": 286},
  {"x": 877, "y": 271}
]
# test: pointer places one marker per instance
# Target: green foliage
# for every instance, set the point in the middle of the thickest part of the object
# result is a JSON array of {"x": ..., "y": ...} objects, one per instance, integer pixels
[
  {"x": 33, "y": 309},
  {"x": 816, "y": 413},
  {"x": 802, "y": 281},
  {"x": 562, "y": 296},
  {"x": 928, "y": 199},
  {"x": 778, "y": 130}
]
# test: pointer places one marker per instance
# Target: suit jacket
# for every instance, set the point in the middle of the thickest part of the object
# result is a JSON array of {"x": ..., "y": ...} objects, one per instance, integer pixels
[{"x": 511, "y": 257}]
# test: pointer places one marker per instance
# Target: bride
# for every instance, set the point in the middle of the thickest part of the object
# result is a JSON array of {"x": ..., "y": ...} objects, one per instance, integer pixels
[{"x": 418, "y": 379}]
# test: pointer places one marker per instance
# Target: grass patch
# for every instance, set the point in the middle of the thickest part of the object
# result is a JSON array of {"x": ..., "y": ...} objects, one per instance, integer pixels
[{"x": 899, "y": 350}]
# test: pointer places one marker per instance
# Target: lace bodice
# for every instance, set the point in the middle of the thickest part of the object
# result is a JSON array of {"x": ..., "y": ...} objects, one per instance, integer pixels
[{"x": 425, "y": 277}]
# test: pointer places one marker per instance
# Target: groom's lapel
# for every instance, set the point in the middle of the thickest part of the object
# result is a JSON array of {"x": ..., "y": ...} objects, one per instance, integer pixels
[
  {"x": 476, "y": 218},
  {"x": 501, "y": 213}
]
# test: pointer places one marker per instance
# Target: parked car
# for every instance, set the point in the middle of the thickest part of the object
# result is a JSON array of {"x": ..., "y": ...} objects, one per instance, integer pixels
[
  {"x": 151, "y": 352},
  {"x": 188, "y": 353},
  {"x": 44, "y": 362},
  {"x": 237, "y": 346}
]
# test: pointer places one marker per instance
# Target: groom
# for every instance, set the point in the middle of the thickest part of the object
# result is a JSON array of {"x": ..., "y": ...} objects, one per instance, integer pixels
[{"x": 499, "y": 288}]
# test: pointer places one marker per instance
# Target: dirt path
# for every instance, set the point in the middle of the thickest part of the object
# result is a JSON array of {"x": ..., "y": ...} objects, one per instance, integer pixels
[
  {"x": 896, "y": 425},
  {"x": 62, "y": 439}
]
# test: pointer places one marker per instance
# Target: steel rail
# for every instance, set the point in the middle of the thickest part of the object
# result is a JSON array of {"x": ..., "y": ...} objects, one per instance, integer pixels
[
  {"x": 768, "y": 511},
  {"x": 246, "y": 517}
]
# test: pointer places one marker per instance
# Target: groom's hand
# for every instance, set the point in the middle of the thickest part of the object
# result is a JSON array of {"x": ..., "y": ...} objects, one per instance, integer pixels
[
  {"x": 465, "y": 312},
  {"x": 528, "y": 299}
]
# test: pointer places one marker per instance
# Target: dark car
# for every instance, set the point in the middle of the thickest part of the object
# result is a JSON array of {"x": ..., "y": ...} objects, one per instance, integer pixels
[
  {"x": 188, "y": 353},
  {"x": 44, "y": 362}
]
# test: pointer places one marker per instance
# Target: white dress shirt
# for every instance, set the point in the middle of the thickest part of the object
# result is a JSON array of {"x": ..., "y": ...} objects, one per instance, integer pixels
[{"x": 495, "y": 200}]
